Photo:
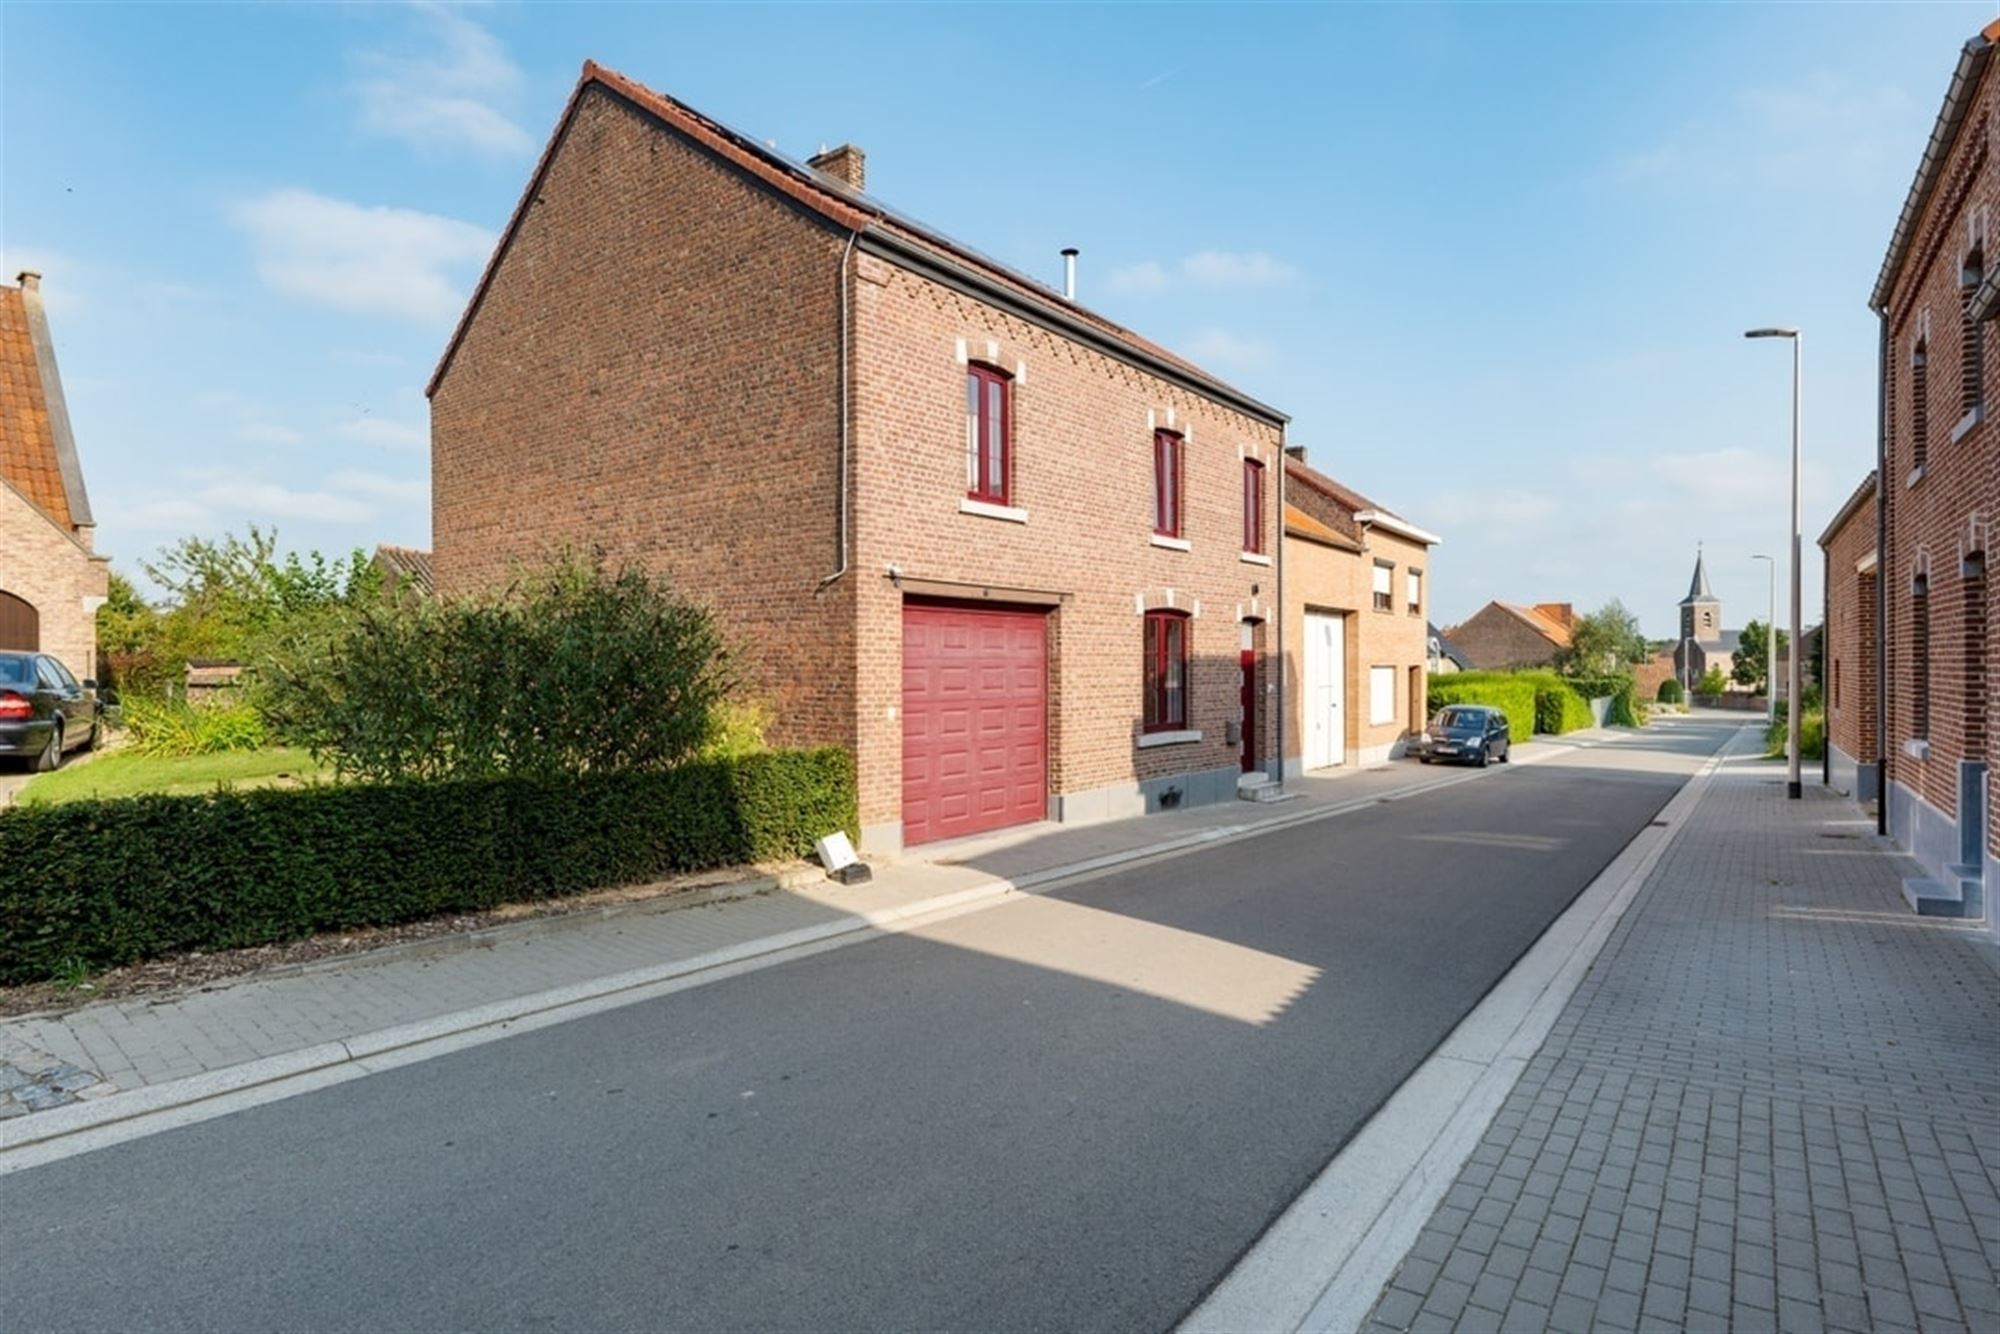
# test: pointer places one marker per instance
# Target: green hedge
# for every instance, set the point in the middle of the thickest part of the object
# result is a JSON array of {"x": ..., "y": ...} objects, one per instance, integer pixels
[
  {"x": 1510, "y": 692},
  {"x": 96, "y": 884},
  {"x": 1559, "y": 707},
  {"x": 1671, "y": 692}
]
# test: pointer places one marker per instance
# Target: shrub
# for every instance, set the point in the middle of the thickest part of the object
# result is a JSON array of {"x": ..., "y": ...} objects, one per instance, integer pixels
[
  {"x": 104, "y": 883},
  {"x": 1812, "y": 735},
  {"x": 736, "y": 729},
  {"x": 172, "y": 728},
  {"x": 1559, "y": 707},
  {"x": 1671, "y": 692},
  {"x": 1509, "y": 692},
  {"x": 574, "y": 670},
  {"x": 1712, "y": 682}
]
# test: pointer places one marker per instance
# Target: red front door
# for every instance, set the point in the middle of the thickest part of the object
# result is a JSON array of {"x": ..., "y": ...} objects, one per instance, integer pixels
[
  {"x": 1249, "y": 710},
  {"x": 975, "y": 728}
]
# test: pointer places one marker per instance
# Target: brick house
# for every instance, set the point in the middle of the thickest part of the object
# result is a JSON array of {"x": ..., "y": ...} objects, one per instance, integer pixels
[
  {"x": 1017, "y": 558},
  {"x": 1852, "y": 736},
  {"x": 1355, "y": 606},
  {"x": 51, "y": 582},
  {"x": 1939, "y": 470},
  {"x": 1503, "y": 636}
]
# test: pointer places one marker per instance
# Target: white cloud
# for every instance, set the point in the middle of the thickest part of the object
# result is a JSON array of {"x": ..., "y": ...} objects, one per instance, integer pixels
[
  {"x": 1216, "y": 269},
  {"x": 1493, "y": 510},
  {"x": 354, "y": 257},
  {"x": 1819, "y": 131},
  {"x": 269, "y": 500},
  {"x": 376, "y": 486},
  {"x": 382, "y": 431},
  {"x": 445, "y": 99},
  {"x": 174, "y": 514},
  {"x": 1735, "y": 479},
  {"x": 269, "y": 433},
  {"x": 1228, "y": 349}
]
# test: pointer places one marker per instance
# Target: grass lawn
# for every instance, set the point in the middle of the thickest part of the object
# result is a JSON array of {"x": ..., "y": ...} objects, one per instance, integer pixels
[{"x": 123, "y": 774}]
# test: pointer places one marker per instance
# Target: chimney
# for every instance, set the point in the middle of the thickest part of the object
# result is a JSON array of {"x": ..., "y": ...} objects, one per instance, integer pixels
[
  {"x": 1069, "y": 255},
  {"x": 30, "y": 280},
  {"x": 1563, "y": 613},
  {"x": 846, "y": 164},
  {"x": 1296, "y": 452}
]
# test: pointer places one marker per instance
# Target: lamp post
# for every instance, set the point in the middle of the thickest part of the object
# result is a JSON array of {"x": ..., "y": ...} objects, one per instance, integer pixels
[
  {"x": 1771, "y": 644},
  {"x": 1793, "y": 788}
]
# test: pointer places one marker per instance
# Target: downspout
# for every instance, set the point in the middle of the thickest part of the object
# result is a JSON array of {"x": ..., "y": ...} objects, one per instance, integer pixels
[
  {"x": 846, "y": 258},
  {"x": 1284, "y": 466},
  {"x": 1882, "y": 578}
]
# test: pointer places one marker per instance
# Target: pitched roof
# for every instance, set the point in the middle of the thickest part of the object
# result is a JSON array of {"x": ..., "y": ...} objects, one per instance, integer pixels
[
  {"x": 1544, "y": 624},
  {"x": 1698, "y": 589},
  {"x": 1364, "y": 509},
  {"x": 37, "y": 455},
  {"x": 1298, "y": 523},
  {"x": 1445, "y": 648},
  {"x": 1860, "y": 495},
  {"x": 1972, "y": 60},
  {"x": 900, "y": 237},
  {"x": 406, "y": 565}
]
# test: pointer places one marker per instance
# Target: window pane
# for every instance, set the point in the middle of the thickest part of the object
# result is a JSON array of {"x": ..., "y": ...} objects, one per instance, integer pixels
[
  {"x": 995, "y": 480},
  {"x": 1382, "y": 573},
  {"x": 1152, "y": 671},
  {"x": 1176, "y": 710},
  {"x": 971, "y": 431}
]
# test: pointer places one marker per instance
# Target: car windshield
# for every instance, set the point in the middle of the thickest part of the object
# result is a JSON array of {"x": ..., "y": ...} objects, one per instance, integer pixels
[
  {"x": 17, "y": 671},
  {"x": 1460, "y": 720}
]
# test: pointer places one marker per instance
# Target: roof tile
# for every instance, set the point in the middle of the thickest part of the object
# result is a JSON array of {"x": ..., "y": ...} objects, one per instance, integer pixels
[{"x": 27, "y": 440}]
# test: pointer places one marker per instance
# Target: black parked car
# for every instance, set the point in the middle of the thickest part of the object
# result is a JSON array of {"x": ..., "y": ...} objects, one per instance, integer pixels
[
  {"x": 44, "y": 711},
  {"x": 1470, "y": 732}
]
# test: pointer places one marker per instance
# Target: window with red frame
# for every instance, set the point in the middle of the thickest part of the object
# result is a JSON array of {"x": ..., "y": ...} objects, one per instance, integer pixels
[
  {"x": 1167, "y": 473},
  {"x": 989, "y": 429},
  {"x": 1253, "y": 506},
  {"x": 1166, "y": 671}
]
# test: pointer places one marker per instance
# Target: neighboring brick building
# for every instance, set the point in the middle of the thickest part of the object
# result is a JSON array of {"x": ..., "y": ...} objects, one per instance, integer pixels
[
  {"x": 51, "y": 584},
  {"x": 1938, "y": 288},
  {"x": 1007, "y": 551},
  {"x": 1356, "y": 637},
  {"x": 1502, "y": 636},
  {"x": 1853, "y": 760}
]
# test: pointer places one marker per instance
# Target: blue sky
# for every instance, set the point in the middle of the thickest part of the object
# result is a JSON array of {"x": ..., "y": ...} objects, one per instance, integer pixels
[{"x": 1495, "y": 261}]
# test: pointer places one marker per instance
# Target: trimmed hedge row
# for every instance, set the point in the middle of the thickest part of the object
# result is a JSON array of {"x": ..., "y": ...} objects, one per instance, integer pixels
[
  {"x": 1511, "y": 693},
  {"x": 96, "y": 884}
]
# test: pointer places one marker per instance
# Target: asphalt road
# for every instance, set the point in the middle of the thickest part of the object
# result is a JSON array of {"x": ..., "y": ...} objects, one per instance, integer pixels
[{"x": 1073, "y": 1112}]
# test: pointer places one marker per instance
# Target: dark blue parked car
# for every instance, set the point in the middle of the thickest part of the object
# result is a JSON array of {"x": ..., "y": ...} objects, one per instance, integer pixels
[
  {"x": 1470, "y": 733},
  {"x": 45, "y": 712}
]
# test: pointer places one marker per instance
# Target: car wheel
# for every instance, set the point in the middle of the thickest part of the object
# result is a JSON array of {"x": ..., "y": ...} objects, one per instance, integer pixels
[
  {"x": 52, "y": 754},
  {"x": 1507, "y": 753},
  {"x": 1423, "y": 759},
  {"x": 1485, "y": 753},
  {"x": 89, "y": 740}
]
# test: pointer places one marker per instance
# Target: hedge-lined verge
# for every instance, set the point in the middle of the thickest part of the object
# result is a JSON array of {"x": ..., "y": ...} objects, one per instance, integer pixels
[
  {"x": 1510, "y": 692},
  {"x": 96, "y": 884}
]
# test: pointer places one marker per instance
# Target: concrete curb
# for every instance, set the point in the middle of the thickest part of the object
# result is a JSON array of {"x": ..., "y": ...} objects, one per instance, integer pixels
[
  {"x": 81, "y": 1127},
  {"x": 1324, "y": 1263}
]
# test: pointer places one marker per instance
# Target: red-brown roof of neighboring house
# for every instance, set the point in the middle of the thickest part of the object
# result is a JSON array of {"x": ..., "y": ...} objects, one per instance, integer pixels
[
  {"x": 1302, "y": 524},
  {"x": 1546, "y": 621},
  {"x": 830, "y": 199},
  {"x": 1345, "y": 496},
  {"x": 28, "y": 459}
]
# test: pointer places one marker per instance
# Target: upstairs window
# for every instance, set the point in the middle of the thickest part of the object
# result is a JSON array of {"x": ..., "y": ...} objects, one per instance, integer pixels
[
  {"x": 989, "y": 431},
  {"x": 1253, "y": 506},
  {"x": 1416, "y": 591},
  {"x": 1385, "y": 585},
  {"x": 1166, "y": 671},
  {"x": 1971, "y": 339},
  {"x": 1920, "y": 406},
  {"x": 1167, "y": 473}
]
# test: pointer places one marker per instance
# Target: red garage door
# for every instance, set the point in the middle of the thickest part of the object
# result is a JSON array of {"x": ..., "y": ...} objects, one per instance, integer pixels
[{"x": 975, "y": 749}]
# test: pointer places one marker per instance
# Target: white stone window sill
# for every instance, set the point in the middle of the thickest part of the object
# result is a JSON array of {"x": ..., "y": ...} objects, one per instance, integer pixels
[
  {"x": 1172, "y": 543},
  {"x": 1917, "y": 748},
  {"x": 1147, "y": 740},
  {"x": 986, "y": 509},
  {"x": 1255, "y": 558},
  {"x": 1916, "y": 475},
  {"x": 1966, "y": 423}
]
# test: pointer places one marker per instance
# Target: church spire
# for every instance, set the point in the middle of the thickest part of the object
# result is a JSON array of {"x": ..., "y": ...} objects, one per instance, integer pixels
[{"x": 1698, "y": 589}]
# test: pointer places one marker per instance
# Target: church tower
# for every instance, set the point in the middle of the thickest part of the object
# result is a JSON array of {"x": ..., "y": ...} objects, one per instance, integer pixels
[{"x": 1701, "y": 609}]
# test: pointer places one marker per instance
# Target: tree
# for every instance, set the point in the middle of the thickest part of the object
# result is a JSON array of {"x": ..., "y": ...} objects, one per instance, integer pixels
[
  {"x": 126, "y": 627},
  {"x": 1606, "y": 640},
  {"x": 1712, "y": 682},
  {"x": 1750, "y": 668}
]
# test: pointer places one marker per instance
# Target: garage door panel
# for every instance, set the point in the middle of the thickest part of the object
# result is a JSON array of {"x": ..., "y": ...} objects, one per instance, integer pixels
[{"x": 974, "y": 720}]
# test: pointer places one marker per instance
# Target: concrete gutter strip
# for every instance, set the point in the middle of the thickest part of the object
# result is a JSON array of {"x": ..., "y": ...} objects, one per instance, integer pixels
[
  {"x": 1324, "y": 1263},
  {"x": 80, "y": 1127}
]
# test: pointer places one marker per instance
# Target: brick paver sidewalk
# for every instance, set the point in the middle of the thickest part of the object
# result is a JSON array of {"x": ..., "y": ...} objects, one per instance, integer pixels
[{"x": 1773, "y": 1104}]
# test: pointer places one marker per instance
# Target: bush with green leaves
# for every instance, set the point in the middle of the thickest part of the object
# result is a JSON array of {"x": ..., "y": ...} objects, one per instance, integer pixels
[
  {"x": 1509, "y": 692},
  {"x": 575, "y": 669},
  {"x": 1712, "y": 682},
  {"x": 1812, "y": 734},
  {"x": 172, "y": 728},
  {"x": 1671, "y": 692},
  {"x": 98, "y": 884}
]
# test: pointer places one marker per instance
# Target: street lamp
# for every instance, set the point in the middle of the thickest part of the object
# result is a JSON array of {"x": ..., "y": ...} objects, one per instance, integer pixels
[
  {"x": 1793, "y": 789},
  {"x": 1771, "y": 644}
]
